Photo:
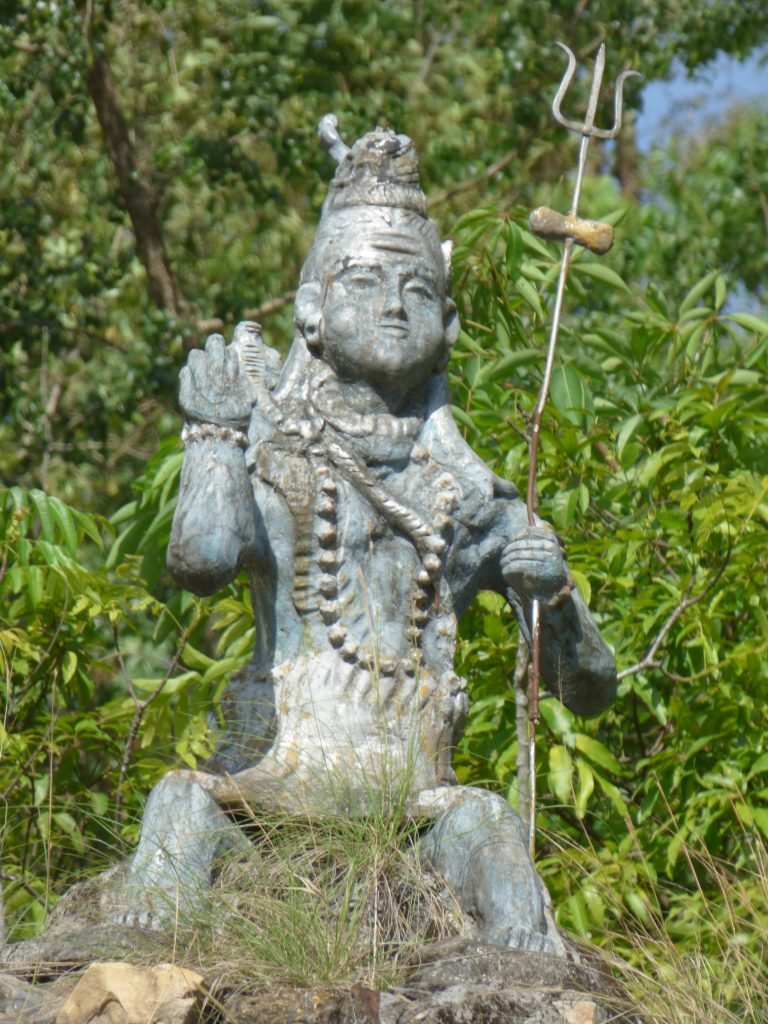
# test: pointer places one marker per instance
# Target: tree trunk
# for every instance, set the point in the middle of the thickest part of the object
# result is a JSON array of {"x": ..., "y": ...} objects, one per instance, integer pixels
[
  {"x": 136, "y": 192},
  {"x": 626, "y": 161}
]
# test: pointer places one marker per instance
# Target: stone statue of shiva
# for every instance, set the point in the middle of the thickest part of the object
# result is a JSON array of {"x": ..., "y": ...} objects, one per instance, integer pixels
[{"x": 341, "y": 484}]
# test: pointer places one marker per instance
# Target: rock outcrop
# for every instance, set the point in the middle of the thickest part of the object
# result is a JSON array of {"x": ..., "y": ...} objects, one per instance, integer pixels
[{"x": 455, "y": 982}]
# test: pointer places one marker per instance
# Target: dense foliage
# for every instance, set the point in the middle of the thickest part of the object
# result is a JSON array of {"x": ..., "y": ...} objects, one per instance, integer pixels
[
  {"x": 161, "y": 178},
  {"x": 655, "y": 470}
]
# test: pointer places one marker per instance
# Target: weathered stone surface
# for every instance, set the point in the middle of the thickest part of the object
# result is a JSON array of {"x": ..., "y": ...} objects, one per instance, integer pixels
[
  {"x": 344, "y": 488},
  {"x": 455, "y": 982},
  {"x": 481, "y": 850},
  {"x": 173, "y": 861},
  {"x": 71, "y": 944},
  {"x": 26, "y": 1003},
  {"x": 464, "y": 984},
  {"x": 466, "y": 962},
  {"x": 461, "y": 1005},
  {"x": 341, "y": 484},
  {"x": 326, "y": 1005},
  {"x": 118, "y": 993},
  {"x": 581, "y": 1011}
]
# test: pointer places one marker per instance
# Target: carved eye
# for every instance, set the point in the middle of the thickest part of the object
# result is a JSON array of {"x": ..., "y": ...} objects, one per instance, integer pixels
[
  {"x": 361, "y": 279},
  {"x": 420, "y": 288}
]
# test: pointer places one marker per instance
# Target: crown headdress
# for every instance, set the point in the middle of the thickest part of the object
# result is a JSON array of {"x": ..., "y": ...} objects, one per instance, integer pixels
[{"x": 380, "y": 169}]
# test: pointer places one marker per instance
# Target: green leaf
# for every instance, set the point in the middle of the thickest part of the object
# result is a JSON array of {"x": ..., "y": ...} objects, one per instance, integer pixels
[
  {"x": 68, "y": 665},
  {"x": 674, "y": 847},
  {"x": 196, "y": 659},
  {"x": 597, "y": 753},
  {"x": 515, "y": 248},
  {"x": 744, "y": 813},
  {"x": 564, "y": 505},
  {"x": 649, "y": 468},
  {"x": 44, "y": 514},
  {"x": 613, "y": 794},
  {"x": 499, "y": 369},
  {"x": 557, "y": 717},
  {"x": 530, "y": 295},
  {"x": 579, "y": 915},
  {"x": 749, "y": 322},
  {"x": 494, "y": 629},
  {"x": 530, "y": 241},
  {"x": 595, "y": 905},
  {"x": 168, "y": 687},
  {"x": 33, "y": 580},
  {"x": 721, "y": 290},
  {"x": 99, "y": 803},
  {"x": 758, "y": 765},
  {"x": 698, "y": 290},
  {"x": 66, "y": 523},
  {"x": 585, "y": 788},
  {"x": 585, "y": 587},
  {"x": 463, "y": 417},
  {"x": 636, "y": 902},
  {"x": 760, "y": 815},
  {"x": 560, "y": 773},
  {"x": 628, "y": 428},
  {"x": 571, "y": 395},
  {"x": 41, "y": 788},
  {"x": 600, "y": 273},
  {"x": 223, "y": 667}
]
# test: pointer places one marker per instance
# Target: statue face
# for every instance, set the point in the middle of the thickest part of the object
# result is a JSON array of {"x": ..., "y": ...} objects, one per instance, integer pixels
[{"x": 383, "y": 308}]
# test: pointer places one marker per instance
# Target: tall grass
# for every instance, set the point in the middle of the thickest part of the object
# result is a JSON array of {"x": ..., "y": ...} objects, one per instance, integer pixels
[
  {"x": 688, "y": 954},
  {"x": 325, "y": 900}
]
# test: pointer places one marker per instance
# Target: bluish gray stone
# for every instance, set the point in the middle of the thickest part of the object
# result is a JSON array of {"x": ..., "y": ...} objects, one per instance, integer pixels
[{"x": 341, "y": 484}]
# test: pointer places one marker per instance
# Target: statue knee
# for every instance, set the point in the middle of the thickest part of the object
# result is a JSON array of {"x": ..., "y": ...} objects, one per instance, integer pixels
[{"x": 480, "y": 849}]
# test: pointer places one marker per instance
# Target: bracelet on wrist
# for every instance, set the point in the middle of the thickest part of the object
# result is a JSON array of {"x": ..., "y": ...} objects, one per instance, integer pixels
[{"x": 195, "y": 432}]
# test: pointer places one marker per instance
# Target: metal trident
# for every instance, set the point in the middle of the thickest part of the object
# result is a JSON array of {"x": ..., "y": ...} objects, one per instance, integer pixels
[{"x": 598, "y": 238}]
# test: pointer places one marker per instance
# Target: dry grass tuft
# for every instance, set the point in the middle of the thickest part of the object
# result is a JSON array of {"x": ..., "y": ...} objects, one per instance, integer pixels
[
  {"x": 341, "y": 899},
  {"x": 687, "y": 955}
]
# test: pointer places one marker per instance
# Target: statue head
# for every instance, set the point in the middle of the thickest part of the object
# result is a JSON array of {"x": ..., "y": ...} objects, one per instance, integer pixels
[{"x": 373, "y": 298}]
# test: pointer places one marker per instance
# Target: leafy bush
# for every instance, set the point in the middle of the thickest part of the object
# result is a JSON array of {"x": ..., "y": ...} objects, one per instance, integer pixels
[
  {"x": 653, "y": 466},
  {"x": 103, "y": 686}
]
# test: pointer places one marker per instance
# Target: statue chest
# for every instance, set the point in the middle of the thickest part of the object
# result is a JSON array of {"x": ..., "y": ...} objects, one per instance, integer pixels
[{"x": 370, "y": 547}]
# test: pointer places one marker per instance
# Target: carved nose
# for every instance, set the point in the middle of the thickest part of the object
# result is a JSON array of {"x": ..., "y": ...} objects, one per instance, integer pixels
[{"x": 393, "y": 303}]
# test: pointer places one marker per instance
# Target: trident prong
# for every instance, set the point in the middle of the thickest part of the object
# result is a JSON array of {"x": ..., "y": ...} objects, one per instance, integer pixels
[{"x": 587, "y": 127}]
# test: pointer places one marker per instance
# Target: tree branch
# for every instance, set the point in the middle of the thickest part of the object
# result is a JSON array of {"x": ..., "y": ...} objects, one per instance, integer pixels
[
  {"x": 141, "y": 707},
  {"x": 474, "y": 182},
  {"x": 270, "y": 306},
  {"x": 649, "y": 660},
  {"x": 139, "y": 198}
]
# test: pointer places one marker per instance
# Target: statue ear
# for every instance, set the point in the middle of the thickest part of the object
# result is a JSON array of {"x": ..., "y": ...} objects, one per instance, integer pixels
[
  {"x": 451, "y": 321},
  {"x": 447, "y": 249},
  {"x": 308, "y": 312}
]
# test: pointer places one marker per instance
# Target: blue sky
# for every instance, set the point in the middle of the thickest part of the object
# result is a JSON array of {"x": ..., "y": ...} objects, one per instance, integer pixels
[{"x": 684, "y": 104}]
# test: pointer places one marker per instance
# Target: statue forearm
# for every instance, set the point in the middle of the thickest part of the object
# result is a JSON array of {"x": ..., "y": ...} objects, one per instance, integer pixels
[
  {"x": 213, "y": 529},
  {"x": 576, "y": 664}
]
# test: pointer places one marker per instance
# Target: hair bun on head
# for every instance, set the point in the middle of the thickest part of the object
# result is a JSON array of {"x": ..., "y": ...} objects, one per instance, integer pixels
[{"x": 380, "y": 169}]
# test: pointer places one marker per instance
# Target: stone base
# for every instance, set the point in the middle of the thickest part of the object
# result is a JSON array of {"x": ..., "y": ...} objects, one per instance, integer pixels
[
  {"x": 457, "y": 982},
  {"x": 505, "y": 963}
]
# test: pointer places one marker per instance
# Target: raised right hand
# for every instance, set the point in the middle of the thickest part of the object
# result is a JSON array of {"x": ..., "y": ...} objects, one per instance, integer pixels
[{"x": 214, "y": 387}]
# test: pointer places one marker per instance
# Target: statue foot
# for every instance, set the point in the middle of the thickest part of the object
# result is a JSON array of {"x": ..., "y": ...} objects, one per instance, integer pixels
[
  {"x": 534, "y": 942},
  {"x": 183, "y": 832},
  {"x": 144, "y": 919}
]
